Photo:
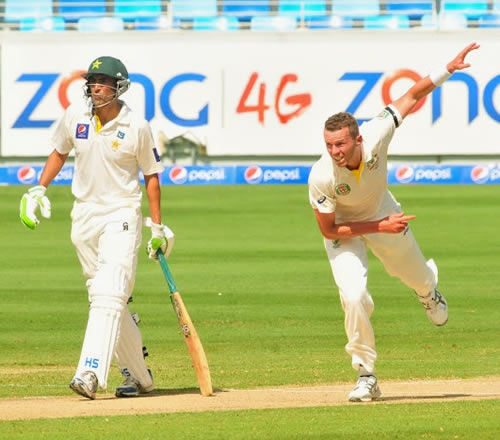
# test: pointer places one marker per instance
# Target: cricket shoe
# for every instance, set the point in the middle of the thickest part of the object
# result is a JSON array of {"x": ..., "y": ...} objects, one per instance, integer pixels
[
  {"x": 131, "y": 387},
  {"x": 435, "y": 306},
  {"x": 366, "y": 390},
  {"x": 85, "y": 385}
]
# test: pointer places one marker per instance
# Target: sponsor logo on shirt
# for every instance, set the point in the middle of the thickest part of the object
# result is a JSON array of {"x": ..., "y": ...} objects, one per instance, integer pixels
[
  {"x": 321, "y": 199},
  {"x": 383, "y": 114},
  {"x": 342, "y": 189},
  {"x": 82, "y": 131},
  {"x": 372, "y": 164},
  {"x": 120, "y": 134}
]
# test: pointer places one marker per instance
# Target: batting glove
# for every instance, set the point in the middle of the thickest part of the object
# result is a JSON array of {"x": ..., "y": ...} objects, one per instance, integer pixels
[
  {"x": 162, "y": 238},
  {"x": 33, "y": 199}
]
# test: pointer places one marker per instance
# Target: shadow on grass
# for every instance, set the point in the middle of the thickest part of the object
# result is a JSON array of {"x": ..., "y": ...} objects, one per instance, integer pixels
[
  {"x": 433, "y": 397},
  {"x": 163, "y": 392}
]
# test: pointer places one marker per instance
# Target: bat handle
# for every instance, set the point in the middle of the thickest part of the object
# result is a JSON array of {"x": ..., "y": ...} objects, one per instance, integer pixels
[{"x": 166, "y": 271}]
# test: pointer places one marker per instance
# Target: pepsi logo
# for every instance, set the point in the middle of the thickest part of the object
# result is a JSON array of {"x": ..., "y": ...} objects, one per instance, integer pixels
[
  {"x": 253, "y": 174},
  {"x": 405, "y": 174},
  {"x": 178, "y": 175},
  {"x": 26, "y": 175},
  {"x": 479, "y": 174},
  {"x": 81, "y": 128}
]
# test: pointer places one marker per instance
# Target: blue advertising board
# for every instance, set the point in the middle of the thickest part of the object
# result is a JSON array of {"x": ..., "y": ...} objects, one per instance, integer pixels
[{"x": 273, "y": 175}]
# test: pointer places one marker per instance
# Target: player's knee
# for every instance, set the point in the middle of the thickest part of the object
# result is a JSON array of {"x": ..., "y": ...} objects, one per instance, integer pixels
[
  {"x": 110, "y": 284},
  {"x": 356, "y": 297}
]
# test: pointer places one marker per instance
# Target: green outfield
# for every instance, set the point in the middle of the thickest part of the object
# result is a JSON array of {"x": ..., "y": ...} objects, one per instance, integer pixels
[{"x": 250, "y": 265}]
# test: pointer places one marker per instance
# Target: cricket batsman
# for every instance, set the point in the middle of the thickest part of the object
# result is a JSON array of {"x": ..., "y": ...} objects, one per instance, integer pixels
[
  {"x": 111, "y": 143},
  {"x": 354, "y": 209}
]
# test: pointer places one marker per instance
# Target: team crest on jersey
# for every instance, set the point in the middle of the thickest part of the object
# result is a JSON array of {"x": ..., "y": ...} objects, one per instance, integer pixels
[
  {"x": 120, "y": 134},
  {"x": 82, "y": 131},
  {"x": 342, "y": 189},
  {"x": 383, "y": 114},
  {"x": 372, "y": 164},
  {"x": 115, "y": 145}
]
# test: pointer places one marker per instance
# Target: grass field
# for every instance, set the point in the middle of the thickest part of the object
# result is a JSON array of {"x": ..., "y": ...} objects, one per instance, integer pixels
[{"x": 250, "y": 265}]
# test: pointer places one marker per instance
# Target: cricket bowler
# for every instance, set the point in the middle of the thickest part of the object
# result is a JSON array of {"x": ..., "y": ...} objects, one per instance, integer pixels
[
  {"x": 354, "y": 209},
  {"x": 111, "y": 143}
]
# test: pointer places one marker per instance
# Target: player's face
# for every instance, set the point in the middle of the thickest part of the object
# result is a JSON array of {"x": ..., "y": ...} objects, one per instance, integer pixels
[
  {"x": 342, "y": 148},
  {"x": 102, "y": 88}
]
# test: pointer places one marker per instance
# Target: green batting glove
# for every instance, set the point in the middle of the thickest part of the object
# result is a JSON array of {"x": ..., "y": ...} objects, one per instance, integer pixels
[
  {"x": 33, "y": 199},
  {"x": 161, "y": 238}
]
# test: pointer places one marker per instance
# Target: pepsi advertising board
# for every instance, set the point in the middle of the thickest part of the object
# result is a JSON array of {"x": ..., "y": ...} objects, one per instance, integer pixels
[
  {"x": 444, "y": 174},
  {"x": 275, "y": 175}
]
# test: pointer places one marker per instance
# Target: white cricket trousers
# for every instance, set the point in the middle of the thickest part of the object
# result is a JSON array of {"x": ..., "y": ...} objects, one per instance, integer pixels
[
  {"x": 107, "y": 241},
  {"x": 401, "y": 257}
]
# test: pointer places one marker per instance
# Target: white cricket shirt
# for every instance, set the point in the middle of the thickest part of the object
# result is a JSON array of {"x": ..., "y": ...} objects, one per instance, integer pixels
[
  {"x": 356, "y": 196},
  {"x": 107, "y": 158}
]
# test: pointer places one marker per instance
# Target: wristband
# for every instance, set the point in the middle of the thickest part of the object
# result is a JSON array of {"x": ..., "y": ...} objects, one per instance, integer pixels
[{"x": 439, "y": 76}]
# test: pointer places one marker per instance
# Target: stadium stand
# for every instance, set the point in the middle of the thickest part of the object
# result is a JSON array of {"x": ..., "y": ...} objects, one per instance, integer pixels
[
  {"x": 279, "y": 23},
  {"x": 255, "y": 15},
  {"x": 245, "y": 10},
  {"x": 220, "y": 23},
  {"x": 74, "y": 10}
]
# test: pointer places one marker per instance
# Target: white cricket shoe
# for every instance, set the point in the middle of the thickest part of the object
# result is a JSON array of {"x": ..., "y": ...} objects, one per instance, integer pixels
[
  {"x": 85, "y": 385},
  {"x": 366, "y": 390},
  {"x": 436, "y": 307},
  {"x": 131, "y": 387}
]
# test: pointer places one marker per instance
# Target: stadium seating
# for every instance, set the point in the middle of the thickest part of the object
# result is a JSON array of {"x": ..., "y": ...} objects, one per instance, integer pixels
[
  {"x": 471, "y": 10},
  {"x": 386, "y": 22},
  {"x": 301, "y": 9},
  {"x": 216, "y": 23},
  {"x": 449, "y": 20},
  {"x": 273, "y": 23},
  {"x": 277, "y": 15},
  {"x": 44, "y": 24},
  {"x": 489, "y": 21},
  {"x": 329, "y": 22},
  {"x": 16, "y": 10},
  {"x": 131, "y": 10},
  {"x": 414, "y": 10},
  {"x": 356, "y": 8},
  {"x": 245, "y": 10},
  {"x": 100, "y": 24},
  {"x": 190, "y": 9},
  {"x": 74, "y": 10},
  {"x": 154, "y": 23}
]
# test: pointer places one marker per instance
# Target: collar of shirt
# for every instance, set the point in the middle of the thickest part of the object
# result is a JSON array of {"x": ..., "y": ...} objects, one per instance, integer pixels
[{"x": 123, "y": 118}]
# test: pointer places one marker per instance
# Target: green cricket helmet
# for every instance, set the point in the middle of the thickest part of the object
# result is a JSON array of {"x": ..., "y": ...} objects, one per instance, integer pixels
[{"x": 112, "y": 67}]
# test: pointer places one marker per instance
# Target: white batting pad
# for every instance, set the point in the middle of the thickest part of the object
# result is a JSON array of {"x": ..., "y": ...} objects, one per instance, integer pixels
[
  {"x": 108, "y": 300},
  {"x": 129, "y": 351}
]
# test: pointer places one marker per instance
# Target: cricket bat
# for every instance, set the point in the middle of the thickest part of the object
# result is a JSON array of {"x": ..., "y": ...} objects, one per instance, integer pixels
[{"x": 193, "y": 342}]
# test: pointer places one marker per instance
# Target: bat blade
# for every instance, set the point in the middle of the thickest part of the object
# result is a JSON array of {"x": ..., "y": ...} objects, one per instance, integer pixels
[
  {"x": 193, "y": 342},
  {"x": 194, "y": 345}
]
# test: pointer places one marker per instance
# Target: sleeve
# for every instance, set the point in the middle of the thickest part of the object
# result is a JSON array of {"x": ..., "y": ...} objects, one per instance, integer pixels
[
  {"x": 61, "y": 139},
  {"x": 321, "y": 196},
  {"x": 147, "y": 154},
  {"x": 378, "y": 132}
]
